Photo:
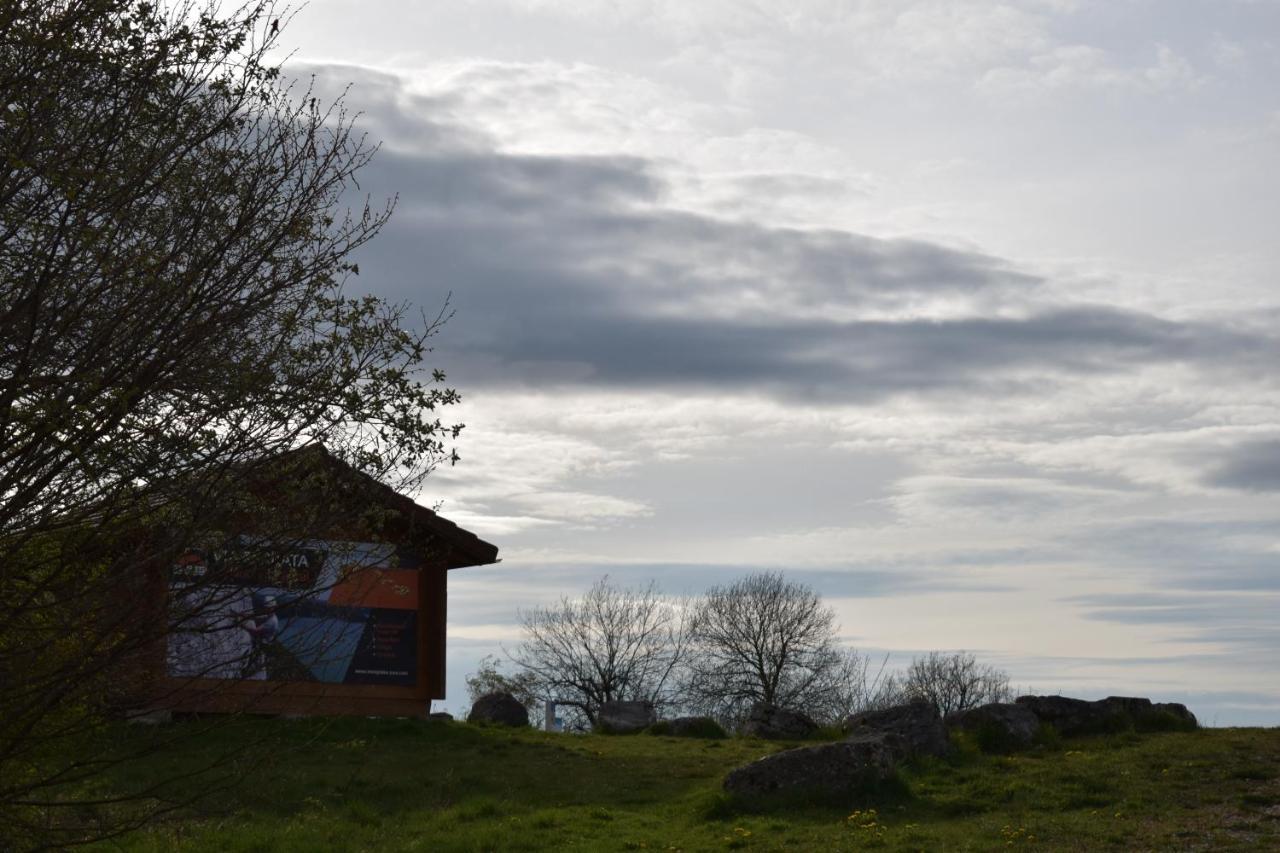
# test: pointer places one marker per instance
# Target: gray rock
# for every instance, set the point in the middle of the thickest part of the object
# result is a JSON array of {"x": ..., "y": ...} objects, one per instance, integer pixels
[
  {"x": 1115, "y": 713},
  {"x": 1000, "y": 726},
  {"x": 501, "y": 708},
  {"x": 770, "y": 721},
  {"x": 827, "y": 768},
  {"x": 910, "y": 730},
  {"x": 1071, "y": 716},
  {"x": 624, "y": 718},
  {"x": 443, "y": 716},
  {"x": 1134, "y": 706},
  {"x": 1178, "y": 711},
  {"x": 1146, "y": 715},
  {"x": 705, "y": 727}
]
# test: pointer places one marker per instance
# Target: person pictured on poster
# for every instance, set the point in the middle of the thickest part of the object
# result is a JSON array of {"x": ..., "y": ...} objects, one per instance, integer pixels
[{"x": 262, "y": 628}]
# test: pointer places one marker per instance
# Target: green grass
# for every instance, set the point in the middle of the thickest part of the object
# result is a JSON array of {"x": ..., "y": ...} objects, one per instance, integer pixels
[{"x": 413, "y": 785}]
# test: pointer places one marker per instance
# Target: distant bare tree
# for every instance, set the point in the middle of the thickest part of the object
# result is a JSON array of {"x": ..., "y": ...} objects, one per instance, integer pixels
[
  {"x": 955, "y": 681},
  {"x": 611, "y": 644},
  {"x": 857, "y": 685},
  {"x": 767, "y": 639}
]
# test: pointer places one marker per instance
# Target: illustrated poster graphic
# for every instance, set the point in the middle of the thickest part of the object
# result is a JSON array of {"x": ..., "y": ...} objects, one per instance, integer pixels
[{"x": 327, "y": 612}]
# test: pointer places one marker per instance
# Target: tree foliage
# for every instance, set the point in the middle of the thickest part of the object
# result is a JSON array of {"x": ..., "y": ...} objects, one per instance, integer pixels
[
  {"x": 613, "y": 643},
  {"x": 173, "y": 265}
]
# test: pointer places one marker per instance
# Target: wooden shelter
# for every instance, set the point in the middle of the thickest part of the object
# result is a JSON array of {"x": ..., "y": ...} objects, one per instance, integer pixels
[{"x": 346, "y": 617}]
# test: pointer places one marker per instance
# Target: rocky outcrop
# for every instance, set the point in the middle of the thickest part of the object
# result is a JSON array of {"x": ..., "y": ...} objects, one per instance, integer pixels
[
  {"x": 1115, "y": 713},
  {"x": 1131, "y": 706},
  {"x": 624, "y": 718},
  {"x": 878, "y": 740},
  {"x": 909, "y": 730},
  {"x": 828, "y": 768},
  {"x": 499, "y": 708},
  {"x": 1176, "y": 712},
  {"x": 1069, "y": 716},
  {"x": 775, "y": 723},
  {"x": 999, "y": 726}
]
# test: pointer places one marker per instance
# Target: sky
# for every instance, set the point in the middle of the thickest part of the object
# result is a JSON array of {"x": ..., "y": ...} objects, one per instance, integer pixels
[{"x": 963, "y": 312}]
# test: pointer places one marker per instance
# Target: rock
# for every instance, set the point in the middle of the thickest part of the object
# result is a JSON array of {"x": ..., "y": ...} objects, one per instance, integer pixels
[
  {"x": 1147, "y": 716},
  {"x": 704, "y": 727},
  {"x": 624, "y": 718},
  {"x": 1183, "y": 717},
  {"x": 443, "y": 716},
  {"x": 1115, "y": 713},
  {"x": 769, "y": 721},
  {"x": 1133, "y": 706},
  {"x": 833, "y": 768},
  {"x": 501, "y": 708},
  {"x": 909, "y": 730},
  {"x": 1071, "y": 716},
  {"x": 999, "y": 726}
]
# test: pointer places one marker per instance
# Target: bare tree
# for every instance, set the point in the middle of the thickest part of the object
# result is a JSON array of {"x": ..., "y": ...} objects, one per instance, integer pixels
[
  {"x": 767, "y": 639},
  {"x": 860, "y": 684},
  {"x": 955, "y": 681},
  {"x": 172, "y": 312},
  {"x": 613, "y": 643}
]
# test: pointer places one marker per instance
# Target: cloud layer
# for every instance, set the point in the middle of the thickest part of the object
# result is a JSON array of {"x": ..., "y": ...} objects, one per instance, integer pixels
[
  {"x": 962, "y": 312},
  {"x": 578, "y": 270}
]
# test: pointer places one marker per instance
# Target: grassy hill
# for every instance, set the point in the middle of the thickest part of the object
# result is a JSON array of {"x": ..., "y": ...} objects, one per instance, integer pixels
[{"x": 309, "y": 785}]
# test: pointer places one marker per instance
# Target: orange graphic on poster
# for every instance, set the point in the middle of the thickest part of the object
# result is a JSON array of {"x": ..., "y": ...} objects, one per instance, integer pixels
[{"x": 393, "y": 589}]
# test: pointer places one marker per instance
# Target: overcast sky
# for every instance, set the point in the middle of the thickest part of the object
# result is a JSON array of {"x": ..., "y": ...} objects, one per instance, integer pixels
[{"x": 964, "y": 312}]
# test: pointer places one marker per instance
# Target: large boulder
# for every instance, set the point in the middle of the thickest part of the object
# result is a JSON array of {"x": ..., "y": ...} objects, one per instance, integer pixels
[
  {"x": 624, "y": 718},
  {"x": 1072, "y": 716},
  {"x": 999, "y": 726},
  {"x": 1115, "y": 713},
  {"x": 703, "y": 727},
  {"x": 770, "y": 721},
  {"x": 1131, "y": 706},
  {"x": 1176, "y": 712},
  {"x": 910, "y": 730},
  {"x": 1146, "y": 715},
  {"x": 500, "y": 708},
  {"x": 829, "y": 768}
]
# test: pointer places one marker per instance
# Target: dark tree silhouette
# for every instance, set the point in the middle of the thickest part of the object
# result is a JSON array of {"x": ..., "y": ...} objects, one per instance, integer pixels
[
  {"x": 767, "y": 639},
  {"x": 955, "y": 681},
  {"x": 172, "y": 262},
  {"x": 610, "y": 644}
]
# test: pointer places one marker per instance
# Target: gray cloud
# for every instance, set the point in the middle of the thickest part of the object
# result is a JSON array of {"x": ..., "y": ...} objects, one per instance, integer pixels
[
  {"x": 1242, "y": 626},
  {"x": 572, "y": 579},
  {"x": 1251, "y": 466},
  {"x": 569, "y": 269},
  {"x": 579, "y": 269},
  {"x": 1188, "y": 555}
]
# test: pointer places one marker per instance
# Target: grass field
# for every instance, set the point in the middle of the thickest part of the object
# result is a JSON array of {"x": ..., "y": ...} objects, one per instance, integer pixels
[{"x": 414, "y": 785}]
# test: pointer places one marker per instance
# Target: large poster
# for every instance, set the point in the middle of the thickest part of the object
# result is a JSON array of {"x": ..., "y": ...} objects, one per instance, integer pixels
[{"x": 328, "y": 612}]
